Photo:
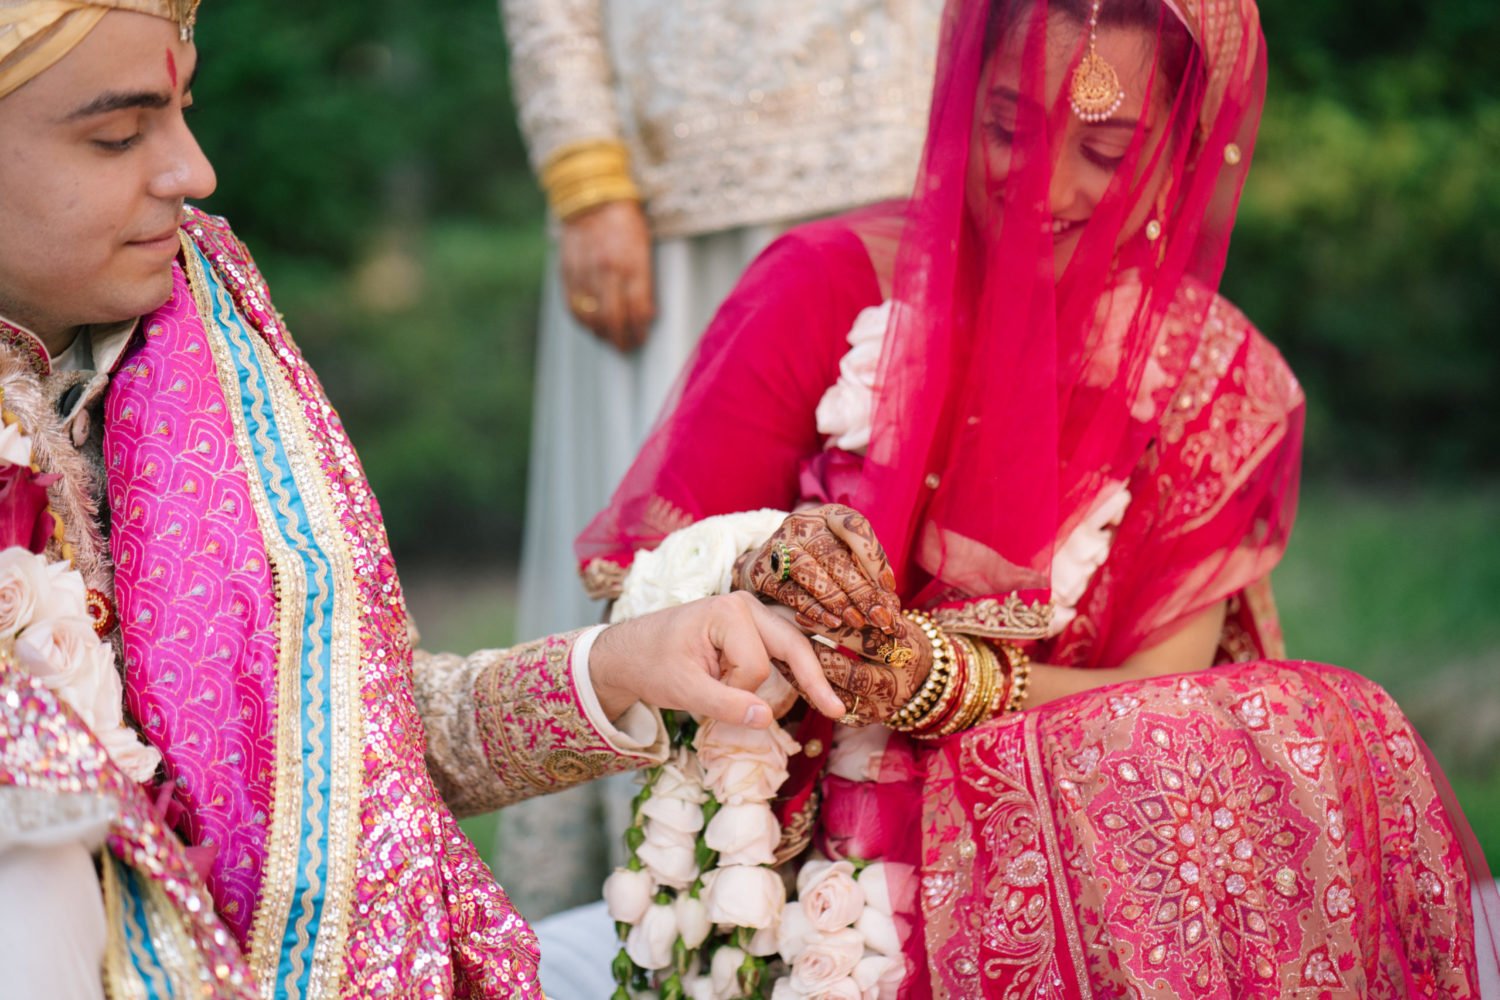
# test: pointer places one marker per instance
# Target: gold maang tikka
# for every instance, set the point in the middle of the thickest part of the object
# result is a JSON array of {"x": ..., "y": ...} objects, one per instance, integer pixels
[{"x": 1095, "y": 93}]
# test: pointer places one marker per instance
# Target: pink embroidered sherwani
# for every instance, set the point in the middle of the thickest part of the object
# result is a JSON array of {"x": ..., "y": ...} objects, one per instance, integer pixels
[{"x": 267, "y": 654}]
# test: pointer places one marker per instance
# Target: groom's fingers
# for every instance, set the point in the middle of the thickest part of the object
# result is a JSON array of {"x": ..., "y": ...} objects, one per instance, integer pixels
[
  {"x": 735, "y": 633},
  {"x": 786, "y": 643}
]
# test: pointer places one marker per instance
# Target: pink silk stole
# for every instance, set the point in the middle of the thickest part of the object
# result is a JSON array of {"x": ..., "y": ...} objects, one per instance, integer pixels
[{"x": 267, "y": 657}]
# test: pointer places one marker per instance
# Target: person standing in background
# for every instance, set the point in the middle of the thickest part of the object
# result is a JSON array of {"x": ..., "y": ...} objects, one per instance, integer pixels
[{"x": 674, "y": 142}]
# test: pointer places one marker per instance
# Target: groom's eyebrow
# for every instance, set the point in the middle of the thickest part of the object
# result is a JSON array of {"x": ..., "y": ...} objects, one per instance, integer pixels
[
  {"x": 123, "y": 100},
  {"x": 116, "y": 100}
]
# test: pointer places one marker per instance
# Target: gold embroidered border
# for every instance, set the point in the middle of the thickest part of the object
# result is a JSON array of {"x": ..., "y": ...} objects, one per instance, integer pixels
[
  {"x": 604, "y": 579},
  {"x": 346, "y": 723},
  {"x": 993, "y": 618}
]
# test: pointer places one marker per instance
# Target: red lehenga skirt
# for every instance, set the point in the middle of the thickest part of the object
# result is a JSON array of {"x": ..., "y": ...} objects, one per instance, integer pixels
[{"x": 1273, "y": 829}]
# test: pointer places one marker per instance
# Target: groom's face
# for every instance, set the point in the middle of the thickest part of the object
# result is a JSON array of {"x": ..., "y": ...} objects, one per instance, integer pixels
[{"x": 95, "y": 162}]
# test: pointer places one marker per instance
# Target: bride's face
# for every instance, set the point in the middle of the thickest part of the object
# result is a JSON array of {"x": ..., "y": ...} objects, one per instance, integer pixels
[{"x": 1086, "y": 155}]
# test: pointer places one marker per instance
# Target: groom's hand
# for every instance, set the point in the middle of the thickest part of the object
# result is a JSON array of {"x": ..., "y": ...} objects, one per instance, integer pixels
[{"x": 707, "y": 658}]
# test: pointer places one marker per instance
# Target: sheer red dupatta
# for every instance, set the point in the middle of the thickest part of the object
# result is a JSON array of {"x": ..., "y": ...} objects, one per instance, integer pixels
[{"x": 1023, "y": 373}]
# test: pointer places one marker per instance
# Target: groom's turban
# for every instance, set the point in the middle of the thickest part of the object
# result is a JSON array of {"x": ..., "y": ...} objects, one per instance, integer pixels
[{"x": 34, "y": 34}]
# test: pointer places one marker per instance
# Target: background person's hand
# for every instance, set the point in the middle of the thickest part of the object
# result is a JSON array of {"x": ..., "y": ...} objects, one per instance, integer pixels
[
  {"x": 826, "y": 565},
  {"x": 605, "y": 256},
  {"x": 706, "y": 657}
]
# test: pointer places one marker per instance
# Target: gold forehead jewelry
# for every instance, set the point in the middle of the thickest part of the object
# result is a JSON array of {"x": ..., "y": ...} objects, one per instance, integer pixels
[{"x": 1095, "y": 93}]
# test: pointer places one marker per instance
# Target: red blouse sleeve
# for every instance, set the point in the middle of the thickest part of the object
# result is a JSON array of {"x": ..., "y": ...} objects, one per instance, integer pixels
[{"x": 743, "y": 417}]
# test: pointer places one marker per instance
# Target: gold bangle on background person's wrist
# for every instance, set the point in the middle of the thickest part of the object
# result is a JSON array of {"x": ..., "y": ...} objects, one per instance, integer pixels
[{"x": 585, "y": 175}]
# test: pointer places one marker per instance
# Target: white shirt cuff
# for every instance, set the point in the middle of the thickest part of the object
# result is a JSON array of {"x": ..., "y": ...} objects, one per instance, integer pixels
[{"x": 639, "y": 732}]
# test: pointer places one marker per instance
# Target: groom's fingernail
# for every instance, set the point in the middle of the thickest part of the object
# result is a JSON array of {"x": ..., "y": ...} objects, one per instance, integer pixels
[{"x": 757, "y": 716}]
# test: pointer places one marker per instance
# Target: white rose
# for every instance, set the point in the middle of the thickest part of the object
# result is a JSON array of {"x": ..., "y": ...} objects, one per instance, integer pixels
[
  {"x": 699, "y": 988},
  {"x": 682, "y": 815},
  {"x": 794, "y": 933},
  {"x": 692, "y": 920},
  {"x": 627, "y": 895},
  {"x": 670, "y": 855},
  {"x": 23, "y": 580},
  {"x": 138, "y": 760},
  {"x": 880, "y": 932},
  {"x": 744, "y": 835},
  {"x": 65, "y": 595},
  {"x": 827, "y": 960},
  {"x": 844, "y": 411},
  {"x": 879, "y": 976},
  {"x": 856, "y": 753},
  {"x": 778, "y": 693},
  {"x": 65, "y": 652},
  {"x": 1079, "y": 557},
  {"x": 890, "y": 887},
  {"x": 831, "y": 898},
  {"x": 744, "y": 895},
  {"x": 843, "y": 989},
  {"x": 724, "y": 971},
  {"x": 649, "y": 943},
  {"x": 743, "y": 765},
  {"x": 784, "y": 990},
  {"x": 692, "y": 562},
  {"x": 762, "y": 943},
  {"x": 680, "y": 778}
]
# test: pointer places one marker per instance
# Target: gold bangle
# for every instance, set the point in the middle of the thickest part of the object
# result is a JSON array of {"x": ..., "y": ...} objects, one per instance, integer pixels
[
  {"x": 984, "y": 702},
  {"x": 937, "y": 678},
  {"x": 1020, "y": 676},
  {"x": 976, "y": 688},
  {"x": 958, "y": 682},
  {"x": 585, "y": 175}
]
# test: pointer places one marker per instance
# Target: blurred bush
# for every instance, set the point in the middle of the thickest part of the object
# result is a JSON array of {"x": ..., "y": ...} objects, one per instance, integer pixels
[{"x": 368, "y": 154}]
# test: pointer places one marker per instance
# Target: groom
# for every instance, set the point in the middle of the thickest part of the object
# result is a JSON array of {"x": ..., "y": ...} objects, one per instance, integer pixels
[{"x": 236, "y": 559}]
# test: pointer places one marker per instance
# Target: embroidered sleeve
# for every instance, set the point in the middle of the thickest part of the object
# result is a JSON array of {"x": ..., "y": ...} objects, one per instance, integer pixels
[
  {"x": 505, "y": 725},
  {"x": 559, "y": 64}
]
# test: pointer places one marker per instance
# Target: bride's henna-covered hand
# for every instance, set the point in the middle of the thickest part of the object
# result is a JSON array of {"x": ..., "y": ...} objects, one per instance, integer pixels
[
  {"x": 871, "y": 688},
  {"x": 826, "y": 565}
]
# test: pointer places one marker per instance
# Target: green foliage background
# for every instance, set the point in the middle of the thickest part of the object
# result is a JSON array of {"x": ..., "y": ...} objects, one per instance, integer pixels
[{"x": 369, "y": 155}]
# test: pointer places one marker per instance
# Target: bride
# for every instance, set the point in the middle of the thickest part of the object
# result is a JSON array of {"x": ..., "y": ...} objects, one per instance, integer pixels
[{"x": 1081, "y": 464}]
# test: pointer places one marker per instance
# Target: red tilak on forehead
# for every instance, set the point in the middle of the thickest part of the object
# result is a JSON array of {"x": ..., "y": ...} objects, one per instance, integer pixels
[{"x": 172, "y": 68}]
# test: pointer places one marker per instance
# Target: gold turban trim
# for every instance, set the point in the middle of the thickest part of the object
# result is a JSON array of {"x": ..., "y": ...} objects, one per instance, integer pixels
[{"x": 34, "y": 34}]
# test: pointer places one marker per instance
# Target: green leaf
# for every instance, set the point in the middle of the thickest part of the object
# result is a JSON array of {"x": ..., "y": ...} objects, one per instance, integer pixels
[{"x": 623, "y": 968}]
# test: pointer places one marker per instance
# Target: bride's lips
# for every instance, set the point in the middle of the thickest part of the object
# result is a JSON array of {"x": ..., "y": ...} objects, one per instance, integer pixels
[{"x": 1062, "y": 227}]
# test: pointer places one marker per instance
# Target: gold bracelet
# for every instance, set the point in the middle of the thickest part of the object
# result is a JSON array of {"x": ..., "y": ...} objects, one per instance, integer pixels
[
  {"x": 994, "y": 678},
  {"x": 1020, "y": 676},
  {"x": 976, "y": 689},
  {"x": 959, "y": 683},
  {"x": 937, "y": 678},
  {"x": 586, "y": 175}
]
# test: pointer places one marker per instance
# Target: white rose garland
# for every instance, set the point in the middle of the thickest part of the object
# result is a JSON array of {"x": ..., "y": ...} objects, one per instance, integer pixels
[{"x": 701, "y": 913}]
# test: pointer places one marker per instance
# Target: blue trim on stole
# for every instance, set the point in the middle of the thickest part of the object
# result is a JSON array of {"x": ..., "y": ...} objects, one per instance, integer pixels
[
  {"x": 139, "y": 948},
  {"x": 271, "y": 464}
]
